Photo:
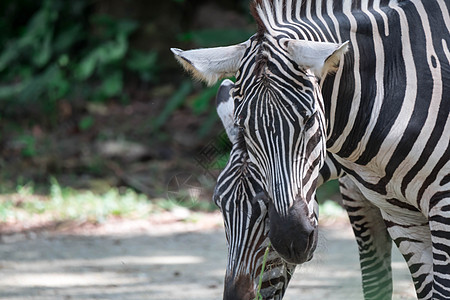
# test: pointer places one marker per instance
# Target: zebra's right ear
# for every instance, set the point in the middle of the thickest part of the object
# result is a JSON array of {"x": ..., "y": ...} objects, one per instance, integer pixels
[
  {"x": 320, "y": 57},
  {"x": 225, "y": 109},
  {"x": 211, "y": 64}
]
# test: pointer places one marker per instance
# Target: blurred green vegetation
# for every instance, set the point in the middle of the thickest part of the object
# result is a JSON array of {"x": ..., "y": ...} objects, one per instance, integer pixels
[
  {"x": 63, "y": 51},
  {"x": 56, "y": 49},
  {"x": 67, "y": 66},
  {"x": 65, "y": 204}
]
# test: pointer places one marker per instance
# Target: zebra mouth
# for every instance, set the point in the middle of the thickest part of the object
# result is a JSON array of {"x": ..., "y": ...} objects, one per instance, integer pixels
[
  {"x": 273, "y": 292},
  {"x": 275, "y": 280}
]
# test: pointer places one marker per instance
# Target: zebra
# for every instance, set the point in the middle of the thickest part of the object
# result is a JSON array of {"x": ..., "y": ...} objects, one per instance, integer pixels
[
  {"x": 240, "y": 195},
  {"x": 244, "y": 209},
  {"x": 366, "y": 83}
]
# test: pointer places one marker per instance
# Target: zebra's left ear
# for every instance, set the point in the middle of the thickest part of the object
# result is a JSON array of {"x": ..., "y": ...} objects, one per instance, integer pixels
[
  {"x": 211, "y": 64},
  {"x": 320, "y": 57}
]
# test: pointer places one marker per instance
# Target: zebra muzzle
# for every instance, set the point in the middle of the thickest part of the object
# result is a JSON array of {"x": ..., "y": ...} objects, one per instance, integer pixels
[{"x": 293, "y": 235}]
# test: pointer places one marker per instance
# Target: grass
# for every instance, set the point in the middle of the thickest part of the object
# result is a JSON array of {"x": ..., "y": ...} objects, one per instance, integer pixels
[
  {"x": 258, "y": 290},
  {"x": 59, "y": 203},
  {"x": 64, "y": 203},
  {"x": 330, "y": 208}
]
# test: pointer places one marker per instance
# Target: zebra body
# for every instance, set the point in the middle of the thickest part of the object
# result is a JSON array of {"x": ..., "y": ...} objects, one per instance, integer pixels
[{"x": 381, "y": 111}]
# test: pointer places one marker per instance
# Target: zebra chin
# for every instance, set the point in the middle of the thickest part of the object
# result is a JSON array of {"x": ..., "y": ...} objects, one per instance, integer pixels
[
  {"x": 239, "y": 288},
  {"x": 273, "y": 286}
]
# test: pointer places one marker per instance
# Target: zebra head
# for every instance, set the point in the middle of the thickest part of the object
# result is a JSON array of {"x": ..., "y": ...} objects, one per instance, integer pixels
[
  {"x": 241, "y": 196},
  {"x": 279, "y": 110}
]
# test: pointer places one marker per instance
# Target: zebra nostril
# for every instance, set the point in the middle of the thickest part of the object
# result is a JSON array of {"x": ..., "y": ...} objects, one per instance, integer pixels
[{"x": 292, "y": 236}]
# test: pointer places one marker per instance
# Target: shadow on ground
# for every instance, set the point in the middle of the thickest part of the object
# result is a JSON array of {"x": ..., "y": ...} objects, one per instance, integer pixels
[{"x": 164, "y": 261}]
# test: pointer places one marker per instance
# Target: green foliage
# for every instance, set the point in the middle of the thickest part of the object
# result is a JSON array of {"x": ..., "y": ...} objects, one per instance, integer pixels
[
  {"x": 173, "y": 103},
  {"x": 263, "y": 267},
  {"x": 330, "y": 209},
  {"x": 216, "y": 37},
  {"x": 86, "y": 123},
  {"x": 327, "y": 190},
  {"x": 63, "y": 51},
  {"x": 203, "y": 101},
  {"x": 64, "y": 203},
  {"x": 28, "y": 145}
]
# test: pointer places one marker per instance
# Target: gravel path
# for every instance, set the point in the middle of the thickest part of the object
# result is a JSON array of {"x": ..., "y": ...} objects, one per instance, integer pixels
[{"x": 164, "y": 260}]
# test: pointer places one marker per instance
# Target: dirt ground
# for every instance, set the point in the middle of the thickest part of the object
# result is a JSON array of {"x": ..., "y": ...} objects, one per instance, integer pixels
[{"x": 164, "y": 259}]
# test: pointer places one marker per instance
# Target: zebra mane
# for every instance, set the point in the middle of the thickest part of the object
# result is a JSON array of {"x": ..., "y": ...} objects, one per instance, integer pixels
[
  {"x": 270, "y": 15},
  {"x": 263, "y": 11}
]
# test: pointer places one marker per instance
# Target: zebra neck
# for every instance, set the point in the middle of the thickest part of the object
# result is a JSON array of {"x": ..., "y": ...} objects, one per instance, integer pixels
[
  {"x": 356, "y": 94},
  {"x": 316, "y": 20}
]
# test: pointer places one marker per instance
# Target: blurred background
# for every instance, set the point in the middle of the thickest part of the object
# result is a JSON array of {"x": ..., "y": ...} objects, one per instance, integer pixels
[
  {"x": 97, "y": 119},
  {"x": 109, "y": 155}
]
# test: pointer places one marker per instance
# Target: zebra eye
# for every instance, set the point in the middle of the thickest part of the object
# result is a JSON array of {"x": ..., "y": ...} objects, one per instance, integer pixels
[
  {"x": 309, "y": 120},
  {"x": 239, "y": 124}
]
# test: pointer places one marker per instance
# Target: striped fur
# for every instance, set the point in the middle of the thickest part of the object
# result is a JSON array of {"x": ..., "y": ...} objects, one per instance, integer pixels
[
  {"x": 240, "y": 195},
  {"x": 386, "y": 114},
  {"x": 382, "y": 114}
]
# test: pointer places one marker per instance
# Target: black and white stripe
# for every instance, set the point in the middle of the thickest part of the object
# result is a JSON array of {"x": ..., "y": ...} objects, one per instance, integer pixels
[
  {"x": 382, "y": 115},
  {"x": 386, "y": 110},
  {"x": 240, "y": 195}
]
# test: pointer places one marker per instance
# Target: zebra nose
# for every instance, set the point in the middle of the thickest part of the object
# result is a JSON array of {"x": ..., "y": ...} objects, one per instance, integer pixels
[
  {"x": 240, "y": 288},
  {"x": 293, "y": 236}
]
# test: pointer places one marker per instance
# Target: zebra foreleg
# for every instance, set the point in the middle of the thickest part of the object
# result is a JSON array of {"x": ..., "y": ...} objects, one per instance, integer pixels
[
  {"x": 414, "y": 243},
  {"x": 439, "y": 218},
  {"x": 374, "y": 242}
]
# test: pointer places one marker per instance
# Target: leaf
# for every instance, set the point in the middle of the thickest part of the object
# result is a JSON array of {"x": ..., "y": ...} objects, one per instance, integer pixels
[
  {"x": 87, "y": 66},
  {"x": 208, "y": 124},
  {"x": 203, "y": 100},
  {"x": 126, "y": 27},
  {"x": 28, "y": 143},
  {"x": 112, "y": 50},
  {"x": 57, "y": 86},
  {"x": 67, "y": 38},
  {"x": 8, "y": 55},
  {"x": 142, "y": 61},
  {"x": 172, "y": 104},
  {"x": 35, "y": 87},
  {"x": 110, "y": 27},
  {"x": 215, "y": 37},
  {"x": 86, "y": 123},
  {"x": 111, "y": 85},
  {"x": 104, "y": 54},
  {"x": 44, "y": 52},
  {"x": 9, "y": 91}
]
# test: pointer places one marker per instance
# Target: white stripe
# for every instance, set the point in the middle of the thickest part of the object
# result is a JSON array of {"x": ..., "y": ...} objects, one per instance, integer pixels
[
  {"x": 379, "y": 81},
  {"x": 357, "y": 94},
  {"x": 433, "y": 112}
]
